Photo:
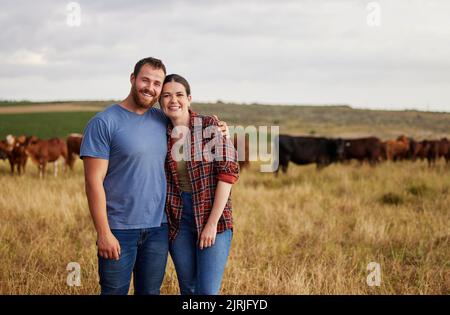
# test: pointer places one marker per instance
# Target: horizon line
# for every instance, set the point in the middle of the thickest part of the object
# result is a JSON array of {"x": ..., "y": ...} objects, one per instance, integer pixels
[{"x": 220, "y": 101}]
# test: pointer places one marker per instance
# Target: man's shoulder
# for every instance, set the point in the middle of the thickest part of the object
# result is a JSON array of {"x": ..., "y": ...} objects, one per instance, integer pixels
[
  {"x": 103, "y": 119},
  {"x": 157, "y": 113},
  {"x": 108, "y": 115},
  {"x": 109, "y": 112}
]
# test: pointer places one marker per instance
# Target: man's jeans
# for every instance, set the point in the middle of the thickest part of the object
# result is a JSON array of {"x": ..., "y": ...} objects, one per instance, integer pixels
[
  {"x": 198, "y": 271},
  {"x": 144, "y": 253}
]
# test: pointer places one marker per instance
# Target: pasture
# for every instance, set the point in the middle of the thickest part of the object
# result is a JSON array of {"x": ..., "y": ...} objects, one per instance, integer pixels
[
  {"x": 306, "y": 232},
  {"x": 331, "y": 121}
]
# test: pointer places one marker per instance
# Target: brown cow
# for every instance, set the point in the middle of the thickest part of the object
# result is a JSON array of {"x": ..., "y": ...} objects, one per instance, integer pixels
[
  {"x": 73, "y": 148},
  {"x": 44, "y": 151},
  {"x": 418, "y": 150},
  {"x": 444, "y": 149},
  {"x": 5, "y": 151},
  {"x": 383, "y": 150},
  {"x": 432, "y": 149},
  {"x": 361, "y": 149},
  {"x": 14, "y": 149},
  {"x": 19, "y": 157},
  {"x": 436, "y": 149},
  {"x": 242, "y": 146},
  {"x": 397, "y": 149}
]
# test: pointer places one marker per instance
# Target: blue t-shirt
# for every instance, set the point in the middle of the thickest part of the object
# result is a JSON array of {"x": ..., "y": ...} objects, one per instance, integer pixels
[{"x": 136, "y": 147}]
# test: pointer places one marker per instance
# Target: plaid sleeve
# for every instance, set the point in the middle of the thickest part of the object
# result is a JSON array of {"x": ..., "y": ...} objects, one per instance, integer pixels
[{"x": 226, "y": 158}]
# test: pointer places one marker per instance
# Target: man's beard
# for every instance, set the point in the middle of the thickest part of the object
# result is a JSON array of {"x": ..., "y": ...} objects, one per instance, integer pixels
[{"x": 141, "y": 101}]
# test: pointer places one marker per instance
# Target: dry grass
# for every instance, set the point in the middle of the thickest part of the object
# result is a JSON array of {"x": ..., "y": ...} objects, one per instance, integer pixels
[{"x": 307, "y": 232}]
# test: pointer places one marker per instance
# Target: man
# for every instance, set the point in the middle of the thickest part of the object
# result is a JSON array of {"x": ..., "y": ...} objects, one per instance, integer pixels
[{"x": 123, "y": 150}]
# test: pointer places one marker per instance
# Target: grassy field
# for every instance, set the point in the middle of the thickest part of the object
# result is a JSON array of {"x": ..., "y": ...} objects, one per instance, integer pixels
[
  {"x": 44, "y": 125},
  {"x": 332, "y": 121},
  {"x": 307, "y": 232},
  {"x": 6, "y": 103}
]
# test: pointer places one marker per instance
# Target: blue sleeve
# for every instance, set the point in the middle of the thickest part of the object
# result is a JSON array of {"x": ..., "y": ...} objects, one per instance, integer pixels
[{"x": 96, "y": 140}]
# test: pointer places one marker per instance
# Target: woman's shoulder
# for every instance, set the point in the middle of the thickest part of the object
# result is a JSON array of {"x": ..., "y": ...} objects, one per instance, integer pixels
[{"x": 208, "y": 120}]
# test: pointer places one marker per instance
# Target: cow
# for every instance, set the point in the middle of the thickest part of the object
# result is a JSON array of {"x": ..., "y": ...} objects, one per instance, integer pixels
[
  {"x": 241, "y": 144},
  {"x": 362, "y": 149},
  {"x": 383, "y": 149},
  {"x": 4, "y": 150},
  {"x": 19, "y": 156},
  {"x": 73, "y": 148},
  {"x": 444, "y": 149},
  {"x": 3, "y": 153},
  {"x": 14, "y": 150},
  {"x": 397, "y": 149},
  {"x": 432, "y": 149},
  {"x": 307, "y": 150},
  {"x": 417, "y": 149},
  {"x": 44, "y": 151}
]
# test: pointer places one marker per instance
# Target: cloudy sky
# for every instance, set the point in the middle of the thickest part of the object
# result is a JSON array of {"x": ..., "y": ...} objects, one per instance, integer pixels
[{"x": 368, "y": 54}]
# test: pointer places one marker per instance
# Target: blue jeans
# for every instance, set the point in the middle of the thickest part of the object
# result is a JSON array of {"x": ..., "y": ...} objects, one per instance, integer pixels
[
  {"x": 198, "y": 271},
  {"x": 144, "y": 253}
]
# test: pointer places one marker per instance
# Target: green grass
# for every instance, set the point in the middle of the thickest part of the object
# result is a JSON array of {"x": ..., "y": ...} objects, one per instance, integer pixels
[
  {"x": 8, "y": 103},
  {"x": 44, "y": 125}
]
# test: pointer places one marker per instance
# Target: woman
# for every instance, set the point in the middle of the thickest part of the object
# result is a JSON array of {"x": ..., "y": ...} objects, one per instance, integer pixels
[{"x": 198, "y": 202}]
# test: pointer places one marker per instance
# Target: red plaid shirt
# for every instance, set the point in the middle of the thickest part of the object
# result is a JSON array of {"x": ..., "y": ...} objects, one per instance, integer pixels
[{"x": 203, "y": 173}]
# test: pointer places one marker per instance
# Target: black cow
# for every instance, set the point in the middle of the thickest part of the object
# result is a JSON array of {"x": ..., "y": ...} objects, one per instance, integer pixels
[{"x": 307, "y": 150}]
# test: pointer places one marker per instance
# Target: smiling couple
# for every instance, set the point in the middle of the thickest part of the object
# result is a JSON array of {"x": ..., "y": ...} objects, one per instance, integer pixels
[{"x": 145, "y": 202}]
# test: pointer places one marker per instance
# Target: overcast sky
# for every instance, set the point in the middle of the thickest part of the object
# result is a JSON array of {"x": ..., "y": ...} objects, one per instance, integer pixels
[{"x": 265, "y": 51}]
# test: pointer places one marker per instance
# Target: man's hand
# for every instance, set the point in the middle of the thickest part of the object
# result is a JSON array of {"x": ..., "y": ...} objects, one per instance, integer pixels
[
  {"x": 108, "y": 246},
  {"x": 223, "y": 128}
]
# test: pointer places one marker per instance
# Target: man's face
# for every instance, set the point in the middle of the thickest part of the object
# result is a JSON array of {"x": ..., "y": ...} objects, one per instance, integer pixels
[{"x": 146, "y": 87}]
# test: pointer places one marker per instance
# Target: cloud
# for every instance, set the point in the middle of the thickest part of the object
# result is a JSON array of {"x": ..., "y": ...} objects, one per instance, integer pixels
[
  {"x": 246, "y": 51},
  {"x": 25, "y": 58}
]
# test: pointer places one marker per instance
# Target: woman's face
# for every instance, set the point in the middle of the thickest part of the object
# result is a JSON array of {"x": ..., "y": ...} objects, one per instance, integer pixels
[{"x": 174, "y": 100}]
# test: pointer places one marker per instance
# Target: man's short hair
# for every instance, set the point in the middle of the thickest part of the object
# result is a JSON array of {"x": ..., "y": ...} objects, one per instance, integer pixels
[{"x": 155, "y": 63}]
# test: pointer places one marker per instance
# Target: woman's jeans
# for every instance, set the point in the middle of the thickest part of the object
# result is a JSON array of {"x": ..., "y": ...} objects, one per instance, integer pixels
[
  {"x": 198, "y": 271},
  {"x": 144, "y": 253}
]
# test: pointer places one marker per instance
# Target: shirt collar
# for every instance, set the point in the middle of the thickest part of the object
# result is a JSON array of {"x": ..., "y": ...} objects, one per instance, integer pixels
[{"x": 192, "y": 116}]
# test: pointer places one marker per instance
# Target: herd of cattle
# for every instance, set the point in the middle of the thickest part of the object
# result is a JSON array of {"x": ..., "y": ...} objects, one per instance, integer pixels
[
  {"x": 324, "y": 151},
  {"x": 17, "y": 150},
  {"x": 297, "y": 149}
]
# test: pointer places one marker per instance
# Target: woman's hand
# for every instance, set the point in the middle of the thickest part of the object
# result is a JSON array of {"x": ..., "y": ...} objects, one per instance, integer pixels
[
  {"x": 208, "y": 236},
  {"x": 223, "y": 127}
]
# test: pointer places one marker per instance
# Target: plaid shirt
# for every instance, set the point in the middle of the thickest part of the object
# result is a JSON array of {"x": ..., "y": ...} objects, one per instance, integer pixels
[{"x": 204, "y": 174}]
